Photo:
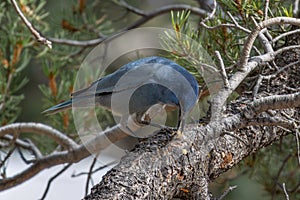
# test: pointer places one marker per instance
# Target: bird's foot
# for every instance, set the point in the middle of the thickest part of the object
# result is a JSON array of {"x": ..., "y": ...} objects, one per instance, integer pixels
[{"x": 146, "y": 120}]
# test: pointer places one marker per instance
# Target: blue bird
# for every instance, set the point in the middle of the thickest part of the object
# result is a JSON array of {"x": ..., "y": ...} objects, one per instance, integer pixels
[{"x": 133, "y": 90}]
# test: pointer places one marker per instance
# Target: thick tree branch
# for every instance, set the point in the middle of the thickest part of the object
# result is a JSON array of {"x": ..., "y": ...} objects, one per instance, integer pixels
[
  {"x": 78, "y": 152},
  {"x": 164, "y": 171},
  {"x": 185, "y": 162},
  {"x": 220, "y": 98},
  {"x": 166, "y": 165}
]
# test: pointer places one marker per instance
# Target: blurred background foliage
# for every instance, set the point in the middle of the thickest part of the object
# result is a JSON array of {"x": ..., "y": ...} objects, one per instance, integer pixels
[{"x": 33, "y": 78}]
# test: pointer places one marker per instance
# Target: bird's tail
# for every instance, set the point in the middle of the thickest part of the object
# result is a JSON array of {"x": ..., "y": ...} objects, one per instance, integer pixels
[{"x": 59, "y": 107}]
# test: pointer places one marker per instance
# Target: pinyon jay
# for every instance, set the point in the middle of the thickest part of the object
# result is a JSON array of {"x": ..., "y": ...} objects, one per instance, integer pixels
[{"x": 132, "y": 90}]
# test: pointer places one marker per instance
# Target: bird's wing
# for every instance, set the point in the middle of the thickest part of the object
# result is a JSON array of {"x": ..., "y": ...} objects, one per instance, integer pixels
[
  {"x": 125, "y": 78},
  {"x": 103, "y": 85},
  {"x": 134, "y": 78},
  {"x": 87, "y": 90}
]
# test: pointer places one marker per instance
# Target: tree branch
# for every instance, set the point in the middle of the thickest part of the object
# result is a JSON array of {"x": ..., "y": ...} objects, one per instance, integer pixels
[
  {"x": 34, "y": 32},
  {"x": 284, "y": 35},
  {"x": 146, "y": 16},
  {"x": 222, "y": 70},
  {"x": 275, "y": 102},
  {"x": 72, "y": 155},
  {"x": 253, "y": 35},
  {"x": 227, "y": 192},
  {"x": 52, "y": 179},
  {"x": 163, "y": 171},
  {"x": 285, "y": 192},
  {"x": 23, "y": 144},
  {"x": 131, "y": 8},
  {"x": 266, "y": 10},
  {"x": 42, "y": 129},
  {"x": 218, "y": 101}
]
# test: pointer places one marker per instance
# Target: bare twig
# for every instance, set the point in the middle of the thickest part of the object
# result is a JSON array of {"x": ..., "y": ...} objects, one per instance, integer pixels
[
  {"x": 33, "y": 148},
  {"x": 84, "y": 43},
  {"x": 73, "y": 155},
  {"x": 222, "y": 70},
  {"x": 237, "y": 24},
  {"x": 23, "y": 157},
  {"x": 166, "y": 9},
  {"x": 53, "y": 178},
  {"x": 267, "y": 2},
  {"x": 268, "y": 77},
  {"x": 34, "y": 31},
  {"x": 96, "y": 170},
  {"x": 7, "y": 156},
  {"x": 218, "y": 26},
  {"x": 284, "y": 35},
  {"x": 131, "y": 8},
  {"x": 284, "y": 162},
  {"x": 89, "y": 175},
  {"x": 237, "y": 137},
  {"x": 227, "y": 192},
  {"x": 256, "y": 50},
  {"x": 285, "y": 192},
  {"x": 28, "y": 145},
  {"x": 211, "y": 15},
  {"x": 295, "y": 188},
  {"x": 146, "y": 17},
  {"x": 236, "y": 78},
  {"x": 219, "y": 100},
  {"x": 252, "y": 36},
  {"x": 257, "y": 86},
  {"x": 266, "y": 43},
  {"x": 268, "y": 35},
  {"x": 249, "y": 114},
  {"x": 297, "y": 141},
  {"x": 234, "y": 25},
  {"x": 283, "y": 49},
  {"x": 42, "y": 129},
  {"x": 263, "y": 39},
  {"x": 271, "y": 121},
  {"x": 296, "y": 8}
]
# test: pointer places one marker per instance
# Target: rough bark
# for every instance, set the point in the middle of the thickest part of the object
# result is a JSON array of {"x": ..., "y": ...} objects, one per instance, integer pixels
[
  {"x": 158, "y": 171},
  {"x": 168, "y": 166}
]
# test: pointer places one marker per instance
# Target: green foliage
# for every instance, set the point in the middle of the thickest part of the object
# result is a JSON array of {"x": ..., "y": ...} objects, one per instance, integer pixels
[
  {"x": 265, "y": 166},
  {"x": 185, "y": 46},
  {"x": 273, "y": 166},
  {"x": 60, "y": 65},
  {"x": 79, "y": 21},
  {"x": 15, "y": 56},
  {"x": 18, "y": 48}
]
